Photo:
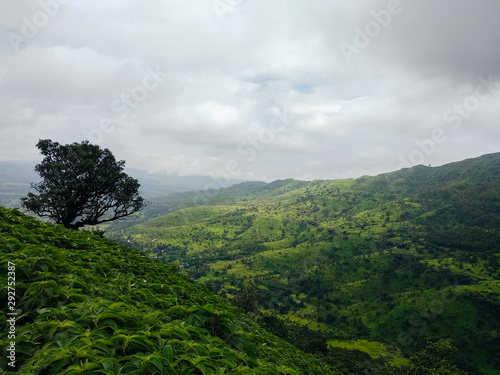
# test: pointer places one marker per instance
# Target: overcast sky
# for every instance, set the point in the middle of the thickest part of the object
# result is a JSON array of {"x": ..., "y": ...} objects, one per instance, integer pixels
[{"x": 253, "y": 89}]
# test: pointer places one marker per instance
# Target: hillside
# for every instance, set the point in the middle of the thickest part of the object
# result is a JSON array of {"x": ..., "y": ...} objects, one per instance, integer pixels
[
  {"x": 84, "y": 304},
  {"x": 398, "y": 259}
]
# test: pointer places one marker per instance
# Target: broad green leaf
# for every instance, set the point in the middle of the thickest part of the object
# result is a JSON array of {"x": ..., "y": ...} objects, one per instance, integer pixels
[
  {"x": 157, "y": 363},
  {"x": 117, "y": 304},
  {"x": 168, "y": 353},
  {"x": 108, "y": 365},
  {"x": 112, "y": 316}
]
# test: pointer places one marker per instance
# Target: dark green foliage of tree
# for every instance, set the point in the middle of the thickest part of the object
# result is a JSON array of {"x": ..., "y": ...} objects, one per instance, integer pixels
[
  {"x": 247, "y": 300},
  {"x": 434, "y": 360},
  {"x": 356, "y": 362},
  {"x": 302, "y": 337},
  {"x": 345, "y": 360},
  {"x": 82, "y": 185}
]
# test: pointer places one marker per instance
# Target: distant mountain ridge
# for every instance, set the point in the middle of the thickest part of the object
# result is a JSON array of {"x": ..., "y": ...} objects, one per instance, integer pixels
[
  {"x": 15, "y": 180},
  {"x": 17, "y": 176}
]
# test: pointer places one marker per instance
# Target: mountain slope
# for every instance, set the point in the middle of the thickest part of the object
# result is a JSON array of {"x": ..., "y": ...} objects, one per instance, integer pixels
[
  {"x": 400, "y": 258},
  {"x": 86, "y": 305}
]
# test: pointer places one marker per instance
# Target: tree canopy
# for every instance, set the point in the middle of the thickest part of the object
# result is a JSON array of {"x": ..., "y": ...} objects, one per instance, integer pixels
[
  {"x": 434, "y": 360},
  {"x": 82, "y": 184}
]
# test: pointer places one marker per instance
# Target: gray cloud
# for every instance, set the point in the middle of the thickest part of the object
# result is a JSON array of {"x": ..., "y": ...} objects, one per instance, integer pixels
[{"x": 187, "y": 88}]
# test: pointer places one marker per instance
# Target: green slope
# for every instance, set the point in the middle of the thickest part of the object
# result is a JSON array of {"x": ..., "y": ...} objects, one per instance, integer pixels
[
  {"x": 399, "y": 258},
  {"x": 87, "y": 305}
]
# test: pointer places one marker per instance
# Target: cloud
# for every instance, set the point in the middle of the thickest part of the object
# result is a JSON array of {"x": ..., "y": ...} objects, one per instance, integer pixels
[
  {"x": 188, "y": 88},
  {"x": 443, "y": 38}
]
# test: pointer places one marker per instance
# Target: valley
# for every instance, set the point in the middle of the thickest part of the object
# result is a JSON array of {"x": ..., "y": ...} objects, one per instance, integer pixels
[{"x": 400, "y": 258}]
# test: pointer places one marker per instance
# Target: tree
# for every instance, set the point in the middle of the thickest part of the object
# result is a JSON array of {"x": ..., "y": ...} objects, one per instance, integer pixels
[
  {"x": 247, "y": 300},
  {"x": 82, "y": 184},
  {"x": 433, "y": 360}
]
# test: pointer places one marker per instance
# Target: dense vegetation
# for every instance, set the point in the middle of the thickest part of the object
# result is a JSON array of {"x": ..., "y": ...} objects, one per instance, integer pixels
[
  {"x": 87, "y": 305},
  {"x": 382, "y": 264}
]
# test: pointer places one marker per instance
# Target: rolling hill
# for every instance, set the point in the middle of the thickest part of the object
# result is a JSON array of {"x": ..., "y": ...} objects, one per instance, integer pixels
[{"x": 396, "y": 259}]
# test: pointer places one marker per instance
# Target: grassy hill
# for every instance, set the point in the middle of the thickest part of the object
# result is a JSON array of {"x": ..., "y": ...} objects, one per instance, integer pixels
[
  {"x": 398, "y": 259},
  {"x": 85, "y": 305}
]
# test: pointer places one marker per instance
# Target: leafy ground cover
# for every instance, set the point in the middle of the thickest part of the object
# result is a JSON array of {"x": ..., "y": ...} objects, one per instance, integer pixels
[{"x": 89, "y": 306}]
